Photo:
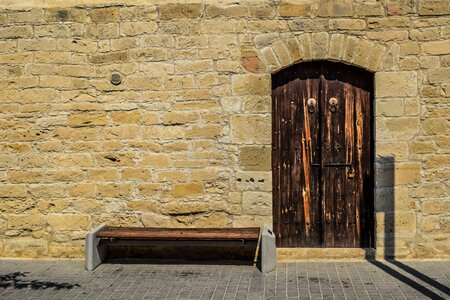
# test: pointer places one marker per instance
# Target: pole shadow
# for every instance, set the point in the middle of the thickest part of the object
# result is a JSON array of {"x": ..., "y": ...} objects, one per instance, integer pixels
[{"x": 386, "y": 173}]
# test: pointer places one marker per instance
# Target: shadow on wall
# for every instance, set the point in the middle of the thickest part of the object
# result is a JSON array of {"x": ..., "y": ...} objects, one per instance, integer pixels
[
  {"x": 17, "y": 280},
  {"x": 390, "y": 265}
]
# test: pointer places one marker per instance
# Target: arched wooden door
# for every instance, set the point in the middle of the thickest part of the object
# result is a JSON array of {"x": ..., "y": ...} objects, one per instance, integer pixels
[{"x": 322, "y": 155}]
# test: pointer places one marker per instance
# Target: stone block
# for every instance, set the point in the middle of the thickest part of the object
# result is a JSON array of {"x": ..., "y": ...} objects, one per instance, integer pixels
[
  {"x": 395, "y": 84},
  {"x": 294, "y": 9},
  {"x": 137, "y": 28},
  {"x": 254, "y": 181},
  {"x": 114, "y": 190},
  {"x": 191, "y": 189},
  {"x": 156, "y": 160},
  {"x": 347, "y": 24},
  {"x": 440, "y": 206},
  {"x": 422, "y": 147},
  {"x": 45, "y": 191},
  {"x": 251, "y": 129},
  {"x": 104, "y": 14},
  {"x": 436, "y": 47},
  {"x": 251, "y": 84},
  {"x": 439, "y": 75},
  {"x": 180, "y": 10},
  {"x": 26, "y": 222},
  {"x": 398, "y": 174},
  {"x": 257, "y": 203},
  {"x": 204, "y": 131},
  {"x": 62, "y": 222},
  {"x": 255, "y": 158},
  {"x": 25, "y": 247},
  {"x": 231, "y": 11},
  {"x": 214, "y": 220},
  {"x": 394, "y": 150},
  {"x": 136, "y": 174},
  {"x": 434, "y": 126},
  {"x": 87, "y": 190},
  {"x": 392, "y": 107}
]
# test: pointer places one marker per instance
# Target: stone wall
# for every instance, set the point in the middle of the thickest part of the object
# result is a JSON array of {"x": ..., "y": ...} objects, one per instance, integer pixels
[{"x": 185, "y": 139}]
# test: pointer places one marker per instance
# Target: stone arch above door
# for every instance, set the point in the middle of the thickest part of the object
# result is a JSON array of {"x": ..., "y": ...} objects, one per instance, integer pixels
[{"x": 276, "y": 52}]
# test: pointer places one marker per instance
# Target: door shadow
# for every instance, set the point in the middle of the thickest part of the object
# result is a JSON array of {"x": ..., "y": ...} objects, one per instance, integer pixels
[{"x": 386, "y": 180}]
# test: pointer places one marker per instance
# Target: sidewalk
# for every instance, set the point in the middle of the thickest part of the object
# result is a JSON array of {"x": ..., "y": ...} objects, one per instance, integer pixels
[{"x": 37, "y": 279}]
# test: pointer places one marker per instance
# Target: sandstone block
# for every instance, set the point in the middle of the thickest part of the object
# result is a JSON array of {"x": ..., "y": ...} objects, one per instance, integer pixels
[
  {"x": 71, "y": 160},
  {"x": 61, "y": 222},
  {"x": 155, "y": 220},
  {"x": 115, "y": 159},
  {"x": 73, "y": 45},
  {"x": 15, "y": 32},
  {"x": 87, "y": 190},
  {"x": 136, "y": 174},
  {"x": 45, "y": 191},
  {"x": 254, "y": 181},
  {"x": 77, "y": 134},
  {"x": 398, "y": 174},
  {"x": 137, "y": 28},
  {"x": 257, "y": 203},
  {"x": 180, "y": 208},
  {"x": 422, "y": 147},
  {"x": 156, "y": 160},
  {"x": 114, "y": 190},
  {"x": 436, "y": 47},
  {"x": 392, "y": 107},
  {"x": 251, "y": 129},
  {"x": 204, "y": 131},
  {"x": 25, "y": 247},
  {"x": 27, "y": 222},
  {"x": 143, "y": 206},
  {"x": 289, "y": 9},
  {"x": 395, "y": 150},
  {"x": 26, "y": 176},
  {"x": 395, "y": 84},
  {"x": 439, "y": 75},
  {"x": 255, "y": 158},
  {"x": 191, "y": 189},
  {"x": 150, "y": 189},
  {"x": 251, "y": 84},
  {"x": 121, "y": 132},
  {"x": 83, "y": 120},
  {"x": 437, "y": 161},
  {"x": 216, "y": 219},
  {"x": 213, "y": 11},
  {"x": 434, "y": 126},
  {"x": 282, "y": 53},
  {"x": 347, "y": 24},
  {"x": 120, "y": 56},
  {"x": 180, "y": 10},
  {"x": 104, "y": 14},
  {"x": 436, "y": 206}
]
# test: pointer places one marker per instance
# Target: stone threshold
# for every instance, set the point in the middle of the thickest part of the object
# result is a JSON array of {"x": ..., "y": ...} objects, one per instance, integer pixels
[{"x": 292, "y": 254}]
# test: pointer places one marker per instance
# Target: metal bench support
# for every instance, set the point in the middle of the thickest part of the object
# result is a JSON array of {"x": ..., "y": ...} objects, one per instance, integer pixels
[{"x": 95, "y": 250}]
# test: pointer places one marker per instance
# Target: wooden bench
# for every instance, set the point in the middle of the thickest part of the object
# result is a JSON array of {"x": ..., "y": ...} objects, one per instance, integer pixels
[{"x": 98, "y": 239}]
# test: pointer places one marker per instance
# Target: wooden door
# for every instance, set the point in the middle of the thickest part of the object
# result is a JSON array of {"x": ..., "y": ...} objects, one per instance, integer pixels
[{"x": 322, "y": 156}]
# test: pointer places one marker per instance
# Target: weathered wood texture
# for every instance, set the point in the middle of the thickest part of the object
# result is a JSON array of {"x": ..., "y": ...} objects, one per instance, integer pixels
[
  {"x": 248, "y": 234},
  {"x": 322, "y": 156}
]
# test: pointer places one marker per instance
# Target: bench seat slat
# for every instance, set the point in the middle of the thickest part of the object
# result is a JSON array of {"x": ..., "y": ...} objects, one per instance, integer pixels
[{"x": 251, "y": 233}]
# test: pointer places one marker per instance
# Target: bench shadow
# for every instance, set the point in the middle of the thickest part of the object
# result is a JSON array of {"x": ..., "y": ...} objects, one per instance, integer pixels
[
  {"x": 389, "y": 235},
  {"x": 17, "y": 280}
]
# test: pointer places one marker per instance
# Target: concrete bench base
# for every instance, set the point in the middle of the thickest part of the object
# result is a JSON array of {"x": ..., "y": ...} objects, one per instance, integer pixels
[{"x": 96, "y": 248}]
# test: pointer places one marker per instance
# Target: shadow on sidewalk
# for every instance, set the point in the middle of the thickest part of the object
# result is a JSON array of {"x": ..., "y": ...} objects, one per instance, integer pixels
[
  {"x": 16, "y": 280},
  {"x": 388, "y": 181}
]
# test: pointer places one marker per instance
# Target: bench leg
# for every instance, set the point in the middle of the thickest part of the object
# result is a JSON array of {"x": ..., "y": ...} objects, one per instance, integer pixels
[
  {"x": 268, "y": 250},
  {"x": 94, "y": 249}
]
